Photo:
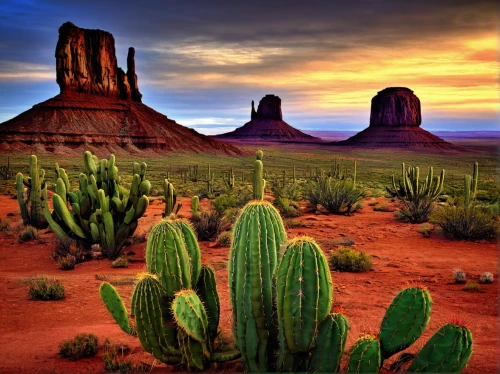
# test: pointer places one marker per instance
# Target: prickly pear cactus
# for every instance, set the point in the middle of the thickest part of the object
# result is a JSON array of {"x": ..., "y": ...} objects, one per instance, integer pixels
[
  {"x": 101, "y": 211},
  {"x": 447, "y": 351},
  {"x": 365, "y": 356},
  {"x": 30, "y": 200},
  {"x": 257, "y": 236},
  {"x": 405, "y": 320}
]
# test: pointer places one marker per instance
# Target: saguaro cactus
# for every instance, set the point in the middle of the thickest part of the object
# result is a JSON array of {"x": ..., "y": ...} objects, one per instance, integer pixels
[
  {"x": 170, "y": 199},
  {"x": 471, "y": 185},
  {"x": 195, "y": 204},
  {"x": 30, "y": 200},
  {"x": 259, "y": 183}
]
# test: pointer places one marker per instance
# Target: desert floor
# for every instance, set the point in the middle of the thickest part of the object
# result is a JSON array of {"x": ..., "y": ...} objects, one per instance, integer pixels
[{"x": 30, "y": 331}]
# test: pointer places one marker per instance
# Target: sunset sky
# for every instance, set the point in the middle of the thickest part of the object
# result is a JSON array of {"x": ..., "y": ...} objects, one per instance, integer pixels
[{"x": 202, "y": 62}]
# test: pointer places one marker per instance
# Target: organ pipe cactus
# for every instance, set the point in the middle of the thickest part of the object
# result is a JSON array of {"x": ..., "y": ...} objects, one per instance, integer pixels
[
  {"x": 471, "y": 185},
  {"x": 447, "y": 351},
  {"x": 411, "y": 188},
  {"x": 101, "y": 211},
  {"x": 177, "y": 324},
  {"x": 30, "y": 200}
]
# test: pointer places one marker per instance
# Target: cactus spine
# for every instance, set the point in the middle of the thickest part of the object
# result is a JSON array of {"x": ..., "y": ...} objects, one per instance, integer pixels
[
  {"x": 30, "y": 201},
  {"x": 471, "y": 185},
  {"x": 447, "y": 351}
]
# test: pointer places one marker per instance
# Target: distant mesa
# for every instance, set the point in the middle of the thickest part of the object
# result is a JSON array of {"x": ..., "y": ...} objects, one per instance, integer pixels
[
  {"x": 99, "y": 105},
  {"x": 395, "y": 121},
  {"x": 267, "y": 124}
]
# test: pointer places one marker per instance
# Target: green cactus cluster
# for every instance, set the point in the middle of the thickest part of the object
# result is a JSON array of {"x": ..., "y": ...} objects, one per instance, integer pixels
[
  {"x": 470, "y": 187},
  {"x": 30, "y": 199},
  {"x": 175, "y": 304},
  {"x": 102, "y": 212},
  {"x": 411, "y": 188}
]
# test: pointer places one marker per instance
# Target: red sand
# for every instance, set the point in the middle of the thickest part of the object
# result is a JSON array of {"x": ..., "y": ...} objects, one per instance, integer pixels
[{"x": 32, "y": 330}]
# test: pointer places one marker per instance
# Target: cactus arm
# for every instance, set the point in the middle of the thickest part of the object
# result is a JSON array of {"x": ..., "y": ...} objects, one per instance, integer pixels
[
  {"x": 365, "y": 356},
  {"x": 64, "y": 214},
  {"x": 114, "y": 304},
  {"x": 225, "y": 356},
  {"x": 20, "y": 198},
  {"x": 190, "y": 315},
  {"x": 207, "y": 291}
]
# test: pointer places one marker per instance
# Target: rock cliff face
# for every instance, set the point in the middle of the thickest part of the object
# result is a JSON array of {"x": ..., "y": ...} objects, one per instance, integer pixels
[
  {"x": 395, "y": 106},
  {"x": 86, "y": 63},
  {"x": 267, "y": 124},
  {"x": 99, "y": 106},
  {"x": 395, "y": 121}
]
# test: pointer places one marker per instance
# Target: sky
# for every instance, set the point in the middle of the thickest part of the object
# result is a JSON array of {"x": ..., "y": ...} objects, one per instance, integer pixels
[{"x": 202, "y": 62}]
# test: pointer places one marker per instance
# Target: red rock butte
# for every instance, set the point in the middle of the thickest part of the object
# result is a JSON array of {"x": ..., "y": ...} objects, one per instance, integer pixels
[
  {"x": 395, "y": 121},
  {"x": 267, "y": 124},
  {"x": 99, "y": 105}
]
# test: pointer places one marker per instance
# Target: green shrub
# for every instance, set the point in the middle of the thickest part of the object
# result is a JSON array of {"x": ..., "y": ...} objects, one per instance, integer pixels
[
  {"x": 288, "y": 208},
  {"x": 472, "y": 287},
  {"x": 224, "y": 239},
  {"x": 120, "y": 262},
  {"x": 289, "y": 191},
  {"x": 418, "y": 209},
  {"x": 347, "y": 259},
  {"x": 207, "y": 224},
  {"x": 382, "y": 208},
  {"x": 28, "y": 234},
  {"x": 236, "y": 198},
  {"x": 336, "y": 196},
  {"x": 115, "y": 361},
  {"x": 67, "y": 262},
  {"x": 44, "y": 288},
  {"x": 425, "y": 229},
  {"x": 82, "y": 346},
  {"x": 4, "y": 225},
  {"x": 463, "y": 222}
]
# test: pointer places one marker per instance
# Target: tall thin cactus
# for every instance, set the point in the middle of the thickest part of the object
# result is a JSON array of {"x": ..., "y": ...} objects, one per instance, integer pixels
[
  {"x": 471, "y": 185},
  {"x": 30, "y": 200}
]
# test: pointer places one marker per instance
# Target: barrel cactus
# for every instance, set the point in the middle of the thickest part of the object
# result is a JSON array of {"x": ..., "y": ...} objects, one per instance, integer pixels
[
  {"x": 102, "y": 212},
  {"x": 30, "y": 200}
]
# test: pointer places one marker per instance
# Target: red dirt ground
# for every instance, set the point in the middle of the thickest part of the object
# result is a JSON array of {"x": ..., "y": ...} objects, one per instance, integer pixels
[{"x": 31, "y": 331}]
